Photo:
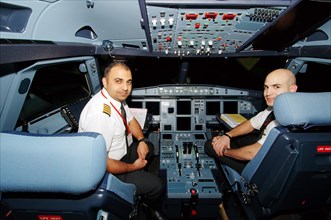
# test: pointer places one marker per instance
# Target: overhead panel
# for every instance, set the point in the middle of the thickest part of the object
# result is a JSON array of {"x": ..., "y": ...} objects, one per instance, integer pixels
[
  {"x": 205, "y": 31},
  {"x": 70, "y": 21}
]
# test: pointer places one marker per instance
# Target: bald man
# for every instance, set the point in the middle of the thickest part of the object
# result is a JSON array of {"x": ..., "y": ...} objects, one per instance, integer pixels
[{"x": 234, "y": 150}]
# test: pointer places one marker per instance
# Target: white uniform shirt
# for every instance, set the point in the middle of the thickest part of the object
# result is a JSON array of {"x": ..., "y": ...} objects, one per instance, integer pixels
[
  {"x": 99, "y": 115},
  {"x": 258, "y": 120}
]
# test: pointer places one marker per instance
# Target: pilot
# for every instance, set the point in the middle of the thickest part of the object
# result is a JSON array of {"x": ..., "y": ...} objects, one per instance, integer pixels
[
  {"x": 238, "y": 146},
  {"x": 107, "y": 113}
]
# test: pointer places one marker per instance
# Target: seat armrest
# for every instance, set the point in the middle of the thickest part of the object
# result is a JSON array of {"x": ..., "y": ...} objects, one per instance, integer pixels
[{"x": 126, "y": 191}]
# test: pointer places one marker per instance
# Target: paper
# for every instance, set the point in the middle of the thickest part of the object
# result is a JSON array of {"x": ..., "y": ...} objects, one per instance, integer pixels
[
  {"x": 233, "y": 119},
  {"x": 140, "y": 115}
]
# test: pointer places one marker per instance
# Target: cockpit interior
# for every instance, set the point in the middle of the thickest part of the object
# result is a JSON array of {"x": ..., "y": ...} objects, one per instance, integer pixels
[{"x": 194, "y": 63}]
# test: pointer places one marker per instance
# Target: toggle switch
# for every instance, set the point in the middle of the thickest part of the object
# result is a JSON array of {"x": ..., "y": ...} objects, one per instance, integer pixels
[
  {"x": 171, "y": 21},
  {"x": 154, "y": 21},
  {"x": 162, "y": 21}
]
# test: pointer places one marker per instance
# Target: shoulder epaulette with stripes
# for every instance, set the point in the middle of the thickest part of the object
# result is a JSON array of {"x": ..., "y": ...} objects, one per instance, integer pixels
[{"x": 106, "y": 109}]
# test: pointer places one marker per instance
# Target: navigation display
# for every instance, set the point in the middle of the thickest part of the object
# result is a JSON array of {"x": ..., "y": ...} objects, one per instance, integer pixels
[
  {"x": 183, "y": 123},
  {"x": 184, "y": 107},
  {"x": 213, "y": 107}
]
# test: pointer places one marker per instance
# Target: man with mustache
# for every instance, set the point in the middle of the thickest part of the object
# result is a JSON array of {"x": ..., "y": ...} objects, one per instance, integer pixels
[{"x": 105, "y": 114}]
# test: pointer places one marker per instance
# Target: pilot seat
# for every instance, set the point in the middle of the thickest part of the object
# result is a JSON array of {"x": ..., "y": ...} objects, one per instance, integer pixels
[
  {"x": 291, "y": 173},
  {"x": 58, "y": 177}
]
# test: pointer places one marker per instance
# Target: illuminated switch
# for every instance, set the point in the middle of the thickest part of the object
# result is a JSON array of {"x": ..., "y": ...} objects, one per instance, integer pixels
[
  {"x": 210, "y": 15},
  {"x": 193, "y": 191},
  {"x": 191, "y": 16},
  {"x": 191, "y": 43},
  {"x": 162, "y": 21},
  {"x": 154, "y": 21},
  {"x": 208, "y": 51},
  {"x": 171, "y": 21},
  {"x": 210, "y": 43},
  {"x": 229, "y": 16},
  {"x": 168, "y": 39},
  {"x": 180, "y": 43},
  {"x": 197, "y": 25},
  {"x": 203, "y": 44}
]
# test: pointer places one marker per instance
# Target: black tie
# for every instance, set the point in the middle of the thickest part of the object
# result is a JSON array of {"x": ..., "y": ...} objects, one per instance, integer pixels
[{"x": 123, "y": 113}]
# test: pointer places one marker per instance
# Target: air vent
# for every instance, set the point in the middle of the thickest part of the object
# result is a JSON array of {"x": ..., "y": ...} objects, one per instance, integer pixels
[
  {"x": 86, "y": 32},
  {"x": 13, "y": 18},
  {"x": 317, "y": 36}
]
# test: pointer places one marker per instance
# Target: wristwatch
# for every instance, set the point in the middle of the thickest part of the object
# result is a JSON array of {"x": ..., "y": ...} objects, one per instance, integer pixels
[{"x": 144, "y": 140}]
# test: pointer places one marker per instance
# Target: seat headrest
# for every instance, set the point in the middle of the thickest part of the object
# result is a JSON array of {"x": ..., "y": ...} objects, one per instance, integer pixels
[
  {"x": 59, "y": 163},
  {"x": 303, "y": 109}
]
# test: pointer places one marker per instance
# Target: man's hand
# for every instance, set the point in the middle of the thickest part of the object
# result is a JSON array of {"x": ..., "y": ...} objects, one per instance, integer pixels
[
  {"x": 220, "y": 143},
  {"x": 142, "y": 150},
  {"x": 139, "y": 164}
]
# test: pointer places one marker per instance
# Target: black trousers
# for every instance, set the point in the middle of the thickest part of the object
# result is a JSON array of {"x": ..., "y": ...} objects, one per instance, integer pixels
[
  {"x": 148, "y": 185},
  {"x": 237, "y": 165}
]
